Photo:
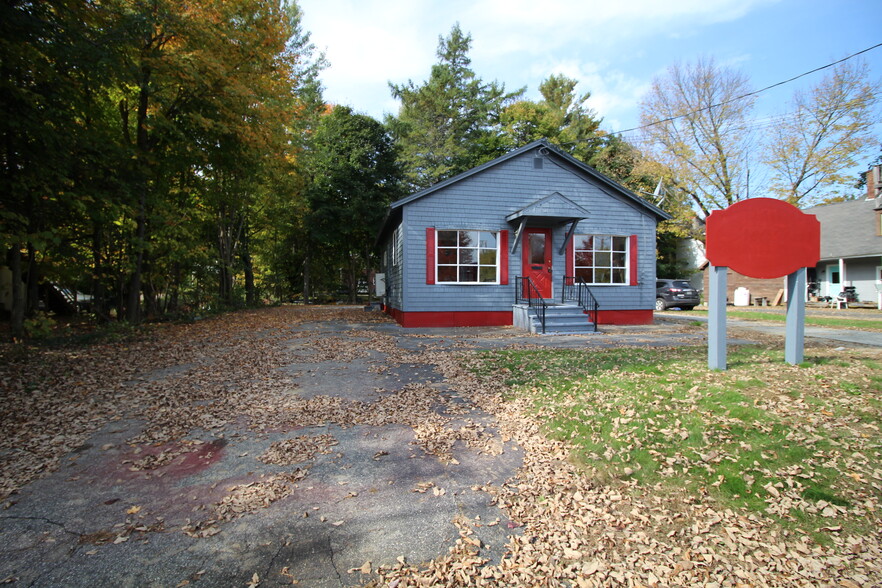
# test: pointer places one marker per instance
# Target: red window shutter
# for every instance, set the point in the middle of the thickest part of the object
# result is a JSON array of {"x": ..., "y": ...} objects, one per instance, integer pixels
[
  {"x": 632, "y": 281},
  {"x": 430, "y": 255},
  {"x": 503, "y": 257}
]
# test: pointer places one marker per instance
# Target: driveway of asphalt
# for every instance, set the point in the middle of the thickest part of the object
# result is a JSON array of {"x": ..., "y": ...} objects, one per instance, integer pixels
[
  {"x": 368, "y": 494},
  {"x": 210, "y": 509}
]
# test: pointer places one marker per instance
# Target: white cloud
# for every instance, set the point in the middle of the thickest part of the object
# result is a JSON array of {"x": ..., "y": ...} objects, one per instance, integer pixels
[{"x": 370, "y": 43}]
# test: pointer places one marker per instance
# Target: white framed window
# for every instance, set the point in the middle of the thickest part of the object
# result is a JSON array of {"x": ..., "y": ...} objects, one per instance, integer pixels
[
  {"x": 396, "y": 243},
  {"x": 601, "y": 259},
  {"x": 467, "y": 257}
]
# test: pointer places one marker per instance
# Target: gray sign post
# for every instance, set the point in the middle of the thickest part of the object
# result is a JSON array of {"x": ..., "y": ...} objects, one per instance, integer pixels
[
  {"x": 716, "y": 318},
  {"x": 794, "y": 338}
]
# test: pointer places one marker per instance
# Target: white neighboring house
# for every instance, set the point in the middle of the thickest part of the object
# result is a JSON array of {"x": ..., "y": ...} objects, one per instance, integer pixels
[
  {"x": 690, "y": 254},
  {"x": 851, "y": 243}
]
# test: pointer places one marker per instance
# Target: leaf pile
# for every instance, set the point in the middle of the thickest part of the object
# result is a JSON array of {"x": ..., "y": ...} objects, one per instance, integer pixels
[
  {"x": 298, "y": 450},
  {"x": 246, "y": 498}
]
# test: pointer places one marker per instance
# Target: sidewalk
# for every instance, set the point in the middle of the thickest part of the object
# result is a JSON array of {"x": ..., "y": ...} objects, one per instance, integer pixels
[{"x": 870, "y": 338}]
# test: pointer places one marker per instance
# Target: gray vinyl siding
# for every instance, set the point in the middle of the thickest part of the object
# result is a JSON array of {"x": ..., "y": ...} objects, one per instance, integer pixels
[
  {"x": 481, "y": 202},
  {"x": 394, "y": 274}
]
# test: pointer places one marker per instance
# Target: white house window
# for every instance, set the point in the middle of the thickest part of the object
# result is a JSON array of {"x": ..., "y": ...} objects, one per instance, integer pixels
[
  {"x": 601, "y": 259},
  {"x": 396, "y": 243},
  {"x": 467, "y": 257}
]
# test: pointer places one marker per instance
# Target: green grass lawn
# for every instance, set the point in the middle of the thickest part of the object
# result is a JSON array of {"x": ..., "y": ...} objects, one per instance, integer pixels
[
  {"x": 800, "y": 444},
  {"x": 867, "y": 324}
]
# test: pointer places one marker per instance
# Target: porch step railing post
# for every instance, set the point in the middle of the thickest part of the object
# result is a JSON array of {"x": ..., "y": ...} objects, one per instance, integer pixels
[
  {"x": 575, "y": 289},
  {"x": 526, "y": 291}
]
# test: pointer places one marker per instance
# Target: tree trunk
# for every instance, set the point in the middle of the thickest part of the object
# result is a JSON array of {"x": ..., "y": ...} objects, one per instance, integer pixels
[
  {"x": 306, "y": 285},
  {"x": 353, "y": 278},
  {"x": 99, "y": 306},
  {"x": 248, "y": 265},
  {"x": 133, "y": 312},
  {"x": 225, "y": 274},
  {"x": 18, "y": 300},
  {"x": 148, "y": 289},
  {"x": 366, "y": 273},
  {"x": 142, "y": 149},
  {"x": 32, "y": 300},
  {"x": 172, "y": 302},
  {"x": 121, "y": 297}
]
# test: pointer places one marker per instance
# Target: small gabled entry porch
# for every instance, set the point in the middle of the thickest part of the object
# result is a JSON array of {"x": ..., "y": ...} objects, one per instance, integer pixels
[{"x": 575, "y": 313}]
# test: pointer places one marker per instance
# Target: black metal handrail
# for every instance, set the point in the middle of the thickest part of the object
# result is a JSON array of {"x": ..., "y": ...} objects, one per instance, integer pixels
[
  {"x": 576, "y": 290},
  {"x": 526, "y": 291}
]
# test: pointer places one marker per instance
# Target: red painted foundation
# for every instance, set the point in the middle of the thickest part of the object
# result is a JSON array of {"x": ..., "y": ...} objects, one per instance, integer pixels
[
  {"x": 503, "y": 318},
  {"x": 450, "y": 319},
  {"x": 624, "y": 317}
]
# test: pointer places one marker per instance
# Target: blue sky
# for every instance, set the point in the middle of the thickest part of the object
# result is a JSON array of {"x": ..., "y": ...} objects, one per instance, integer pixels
[{"x": 613, "y": 47}]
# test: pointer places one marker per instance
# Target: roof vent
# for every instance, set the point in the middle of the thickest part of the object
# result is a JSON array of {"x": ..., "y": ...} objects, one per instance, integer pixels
[{"x": 537, "y": 162}]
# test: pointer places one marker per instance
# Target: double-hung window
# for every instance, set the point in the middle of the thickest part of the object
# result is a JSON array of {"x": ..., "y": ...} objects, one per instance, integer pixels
[
  {"x": 396, "y": 244},
  {"x": 602, "y": 259},
  {"x": 467, "y": 257}
]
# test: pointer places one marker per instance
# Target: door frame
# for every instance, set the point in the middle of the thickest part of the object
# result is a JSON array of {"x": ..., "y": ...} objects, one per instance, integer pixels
[
  {"x": 833, "y": 288},
  {"x": 526, "y": 270}
]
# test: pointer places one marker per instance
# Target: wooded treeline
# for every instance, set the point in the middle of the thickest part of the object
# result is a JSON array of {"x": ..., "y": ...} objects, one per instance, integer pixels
[
  {"x": 159, "y": 156},
  {"x": 168, "y": 158}
]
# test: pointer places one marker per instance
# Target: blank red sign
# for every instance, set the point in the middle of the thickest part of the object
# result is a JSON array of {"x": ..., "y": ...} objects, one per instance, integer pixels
[{"x": 763, "y": 238}]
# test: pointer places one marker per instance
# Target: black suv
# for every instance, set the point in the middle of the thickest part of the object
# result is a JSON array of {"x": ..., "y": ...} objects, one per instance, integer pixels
[{"x": 680, "y": 293}]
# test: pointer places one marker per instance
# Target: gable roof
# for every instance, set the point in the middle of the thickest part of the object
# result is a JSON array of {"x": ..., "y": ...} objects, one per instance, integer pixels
[
  {"x": 393, "y": 214},
  {"x": 849, "y": 229},
  {"x": 555, "y": 205}
]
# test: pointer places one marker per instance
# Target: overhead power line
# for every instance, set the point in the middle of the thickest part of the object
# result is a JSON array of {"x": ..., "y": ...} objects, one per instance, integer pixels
[{"x": 754, "y": 93}]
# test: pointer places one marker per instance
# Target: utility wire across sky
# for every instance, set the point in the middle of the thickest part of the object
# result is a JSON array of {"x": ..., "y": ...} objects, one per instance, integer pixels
[{"x": 754, "y": 93}]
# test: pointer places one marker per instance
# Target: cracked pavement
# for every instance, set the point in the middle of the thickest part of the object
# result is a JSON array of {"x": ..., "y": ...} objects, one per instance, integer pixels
[
  {"x": 183, "y": 493},
  {"x": 377, "y": 495}
]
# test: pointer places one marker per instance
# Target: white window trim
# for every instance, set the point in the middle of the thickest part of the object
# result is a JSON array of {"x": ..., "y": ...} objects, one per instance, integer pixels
[
  {"x": 627, "y": 239},
  {"x": 438, "y": 281},
  {"x": 396, "y": 241}
]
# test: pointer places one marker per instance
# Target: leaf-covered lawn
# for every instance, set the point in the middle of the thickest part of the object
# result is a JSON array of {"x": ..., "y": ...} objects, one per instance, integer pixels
[{"x": 800, "y": 444}]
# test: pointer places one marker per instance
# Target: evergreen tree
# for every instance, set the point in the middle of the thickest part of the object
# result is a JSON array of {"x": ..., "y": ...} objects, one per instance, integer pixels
[
  {"x": 449, "y": 123},
  {"x": 355, "y": 175},
  {"x": 561, "y": 117}
]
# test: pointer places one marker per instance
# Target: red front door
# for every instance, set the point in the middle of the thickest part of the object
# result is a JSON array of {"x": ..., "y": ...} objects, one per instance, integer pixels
[{"x": 536, "y": 261}]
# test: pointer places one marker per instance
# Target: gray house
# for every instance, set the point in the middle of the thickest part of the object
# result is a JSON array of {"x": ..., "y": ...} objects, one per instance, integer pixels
[
  {"x": 532, "y": 224},
  {"x": 851, "y": 244}
]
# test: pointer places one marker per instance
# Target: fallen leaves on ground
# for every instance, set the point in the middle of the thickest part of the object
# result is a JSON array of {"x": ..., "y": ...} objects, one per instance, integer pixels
[
  {"x": 298, "y": 450},
  {"x": 579, "y": 530},
  {"x": 569, "y": 528}
]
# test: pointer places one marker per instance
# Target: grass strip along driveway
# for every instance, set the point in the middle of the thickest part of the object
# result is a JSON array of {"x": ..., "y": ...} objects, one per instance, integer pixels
[{"x": 863, "y": 321}]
